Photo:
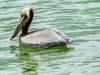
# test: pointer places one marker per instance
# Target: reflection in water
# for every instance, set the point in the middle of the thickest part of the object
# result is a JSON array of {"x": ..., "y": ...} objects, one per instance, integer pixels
[
  {"x": 33, "y": 56},
  {"x": 30, "y": 67}
]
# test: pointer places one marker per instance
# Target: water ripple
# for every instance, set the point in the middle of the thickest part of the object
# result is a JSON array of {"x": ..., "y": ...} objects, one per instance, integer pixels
[{"x": 76, "y": 18}]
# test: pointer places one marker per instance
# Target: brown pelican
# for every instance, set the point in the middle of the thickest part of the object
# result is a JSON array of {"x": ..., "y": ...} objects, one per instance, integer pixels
[{"x": 43, "y": 37}]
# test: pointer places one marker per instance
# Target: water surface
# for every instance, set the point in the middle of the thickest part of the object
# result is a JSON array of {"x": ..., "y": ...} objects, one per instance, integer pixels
[{"x": 79, "y": 19}]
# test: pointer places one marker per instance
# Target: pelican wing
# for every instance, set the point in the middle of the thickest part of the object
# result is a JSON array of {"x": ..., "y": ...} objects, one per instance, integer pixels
[{"x": 44, "y": 37}]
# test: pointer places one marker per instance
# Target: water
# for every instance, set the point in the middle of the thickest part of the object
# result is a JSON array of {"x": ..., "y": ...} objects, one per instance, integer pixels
[{"x": 79, "y": 19}]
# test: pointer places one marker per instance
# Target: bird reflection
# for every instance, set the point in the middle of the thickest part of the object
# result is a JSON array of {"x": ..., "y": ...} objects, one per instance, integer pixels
[{"x": 31, "y": 57}]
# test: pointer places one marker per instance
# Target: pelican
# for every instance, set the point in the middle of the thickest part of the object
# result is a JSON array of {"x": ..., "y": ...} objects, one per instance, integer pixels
[{"x": 41, "y": 37}]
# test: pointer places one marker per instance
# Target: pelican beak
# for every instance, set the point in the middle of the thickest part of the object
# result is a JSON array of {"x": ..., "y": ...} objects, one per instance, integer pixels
[{"x": 21, "y": 23}]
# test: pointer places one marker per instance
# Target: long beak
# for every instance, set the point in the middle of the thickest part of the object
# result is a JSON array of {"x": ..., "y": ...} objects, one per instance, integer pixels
[{"x": 21, "y": 23}]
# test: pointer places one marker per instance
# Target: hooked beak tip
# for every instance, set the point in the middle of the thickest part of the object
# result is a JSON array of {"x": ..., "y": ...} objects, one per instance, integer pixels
[{"x": 10, "y": 39}]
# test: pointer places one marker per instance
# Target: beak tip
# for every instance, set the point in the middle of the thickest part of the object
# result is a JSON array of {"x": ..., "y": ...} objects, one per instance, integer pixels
[{"x": 10, "y": 39}]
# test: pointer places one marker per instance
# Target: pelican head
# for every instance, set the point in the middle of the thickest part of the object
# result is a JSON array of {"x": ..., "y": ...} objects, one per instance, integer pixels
[{"x": 24, "y": 22}]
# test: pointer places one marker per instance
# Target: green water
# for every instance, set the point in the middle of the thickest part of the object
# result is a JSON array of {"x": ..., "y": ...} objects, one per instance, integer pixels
[{"x": 79, "y": 19}]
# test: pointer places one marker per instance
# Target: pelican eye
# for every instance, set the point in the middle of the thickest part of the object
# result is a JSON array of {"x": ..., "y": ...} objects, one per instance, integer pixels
[{"x": 22, "y": 15}]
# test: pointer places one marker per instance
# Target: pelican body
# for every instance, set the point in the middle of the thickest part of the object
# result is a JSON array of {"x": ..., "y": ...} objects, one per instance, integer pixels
[{"x": 42, "y": 37}]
